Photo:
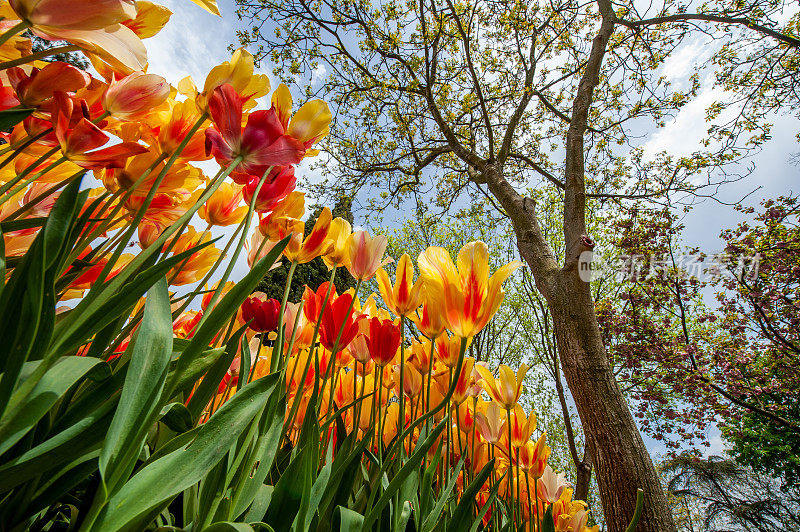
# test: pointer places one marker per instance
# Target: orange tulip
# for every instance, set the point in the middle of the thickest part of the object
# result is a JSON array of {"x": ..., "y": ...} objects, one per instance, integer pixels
[
  {"x": 224, "y": 206},
  {"x": 174, "y": 129},
  {"x": 365, "y": 255},
  {"x": 448, "y": 348},
  {"x": 33, "y": 89},
  {"x": 198, "y": 263},
  {"x": 405, "y": 296},
  {"x": 506, "y": 388},
  {"x": 466, "y": 295},
  {"x": 94, "y": 25},
  {"x": 135, "y": 95},
  {"x": 412, "y": 381},
  {"x": 462, "y": 381},
  {"x": 150, "y": 19},
  {"x": 287, "y": 211}
]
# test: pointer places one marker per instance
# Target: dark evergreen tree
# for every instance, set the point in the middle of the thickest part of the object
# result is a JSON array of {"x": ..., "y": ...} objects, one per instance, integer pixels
[{"x": 314, "y": 273}]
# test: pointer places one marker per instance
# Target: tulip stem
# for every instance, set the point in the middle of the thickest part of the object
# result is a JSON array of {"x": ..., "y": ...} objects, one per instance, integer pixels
[
  {"x": 530, "y": 512},
  {"x": 13, "y": 30},
  {"x": 215, "y": 183},
  {"x": 39, "y": 55},
  {"x": 273, "y": 364},
  {"x": 401, "y": 419},
  {"x": 242, "y": 238},
  {"x": 335, "y": 349},
  {"x": 510, "y": 476},
  {"x": 312, "y": 345}
]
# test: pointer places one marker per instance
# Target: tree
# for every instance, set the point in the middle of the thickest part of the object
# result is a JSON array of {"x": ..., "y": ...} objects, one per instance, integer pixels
[
  {"x": 728, "y": 497},
  {"x": 311, "y": 274},
  {"x": 438, "y": 98}
]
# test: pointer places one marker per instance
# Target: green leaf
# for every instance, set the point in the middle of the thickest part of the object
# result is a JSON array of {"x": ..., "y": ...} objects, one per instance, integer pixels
[
  {"x": 227, "y": 307},
  {"x": 54, "y": 384},
  {"x": 346, "y": 520},
  {"x": 153, "y": 486},
  {"x": 176, "y": 417},
  {"x": 395, "y": 484},
  {"x": 11, "y": 117},
  {"x": 433, "y": 516},
  {"x": 547, "y": 520},
  {"x": 9, "y": 226},
  {"x": 228, "y": 526},
  {"x": 191, "y": 373},
  {"x": 462, "y": 516},
  {"x": 140, "y": 401},
  {"x": 289, "y": 491},
  {"x": 210, "y": 383},
  {"x": 27, "y": 305}
]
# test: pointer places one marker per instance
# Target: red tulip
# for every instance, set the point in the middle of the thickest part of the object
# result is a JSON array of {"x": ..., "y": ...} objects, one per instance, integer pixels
[
  {"x": 335, "y": 318},
  {"x": 263, "y": 312},
  {"x": 384, "y": 340},
  {"x": 262, "y": 143}
]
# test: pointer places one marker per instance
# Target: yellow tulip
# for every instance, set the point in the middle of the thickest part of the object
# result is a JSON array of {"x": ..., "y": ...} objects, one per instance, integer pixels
[
  {"x": 405, "y": 296},
  {"x": 506, "y": 388},
  {"x": 466, "y": 295}
]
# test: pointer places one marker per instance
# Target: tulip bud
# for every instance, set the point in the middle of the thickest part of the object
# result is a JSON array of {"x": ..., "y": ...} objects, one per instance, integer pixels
[{"x": 135, "y": 95}]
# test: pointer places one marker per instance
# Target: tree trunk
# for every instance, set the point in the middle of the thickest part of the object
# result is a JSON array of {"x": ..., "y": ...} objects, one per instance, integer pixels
[
  {"x": 619, "y": 455},
  {"x": 620, "y": 458},
  {"x": 583, "y": 477}
]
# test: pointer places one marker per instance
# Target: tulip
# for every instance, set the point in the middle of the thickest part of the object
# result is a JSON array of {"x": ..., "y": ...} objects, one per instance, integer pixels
[
  {"x": 521, "y": 426},
  {"x": 186, "y": 324},
  {"x": 466, "y": 295},
  {"x": 94, "y": 25},
  {"x": 224, "y": 206},
  {"x": 365, "y": 255},
  {"x": 384, "y": 340},
  {"x": 506, "y": 388},
  {"x": 263, "y": 312},
  {"x": 172, "y": 132},
  {"x": 337, "y": 317},
  {"x": 150, "y": 19},
  {"x": 338, "y": 233},
  {"x": 135, "y": 95},
  {"x": 462, "y": 381},
  {"x": 33, "y": 89},
  {"x": 533, "y": 457},
  {"x": 192, "y": 269},
  {"x": 359, "y": 348},
  {"x": 279, "y": 184},
  {"x": 448, "y": 349},
  {"x": 262, "y": 143},
  {"x": 491, "y": 423},
  {"x": 405, "y": 296},
  {"x": 412, "y": 381},
  {"x": 309, "y": 124},
  {"x": 78, "y": 141},
  {"x": 257, "y": 249},
  {"x": 302, "y": 250},
  {"x": 86, "y": 15},
  {"x": 283, "y": 213},
  {"x": 238, "y": 73},
  {"x": 550, "y": 486},
  {"x": 314, "y": 300},
  {"x": 430, "y": 321}
]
